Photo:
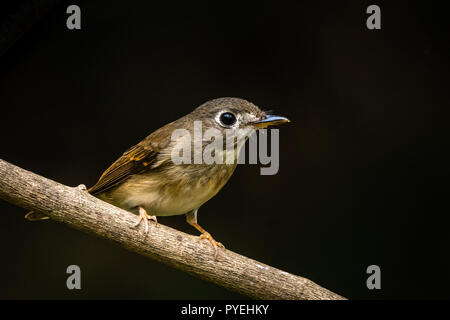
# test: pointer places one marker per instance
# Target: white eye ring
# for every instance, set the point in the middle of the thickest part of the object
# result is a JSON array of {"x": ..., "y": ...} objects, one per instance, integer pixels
[{"x": 226, "y": 119}]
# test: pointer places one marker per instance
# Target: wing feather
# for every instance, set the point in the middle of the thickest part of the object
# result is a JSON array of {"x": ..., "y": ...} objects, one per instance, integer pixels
[
  {"x": 133, "y": 161},
  {"x": 142, "y": 157}
]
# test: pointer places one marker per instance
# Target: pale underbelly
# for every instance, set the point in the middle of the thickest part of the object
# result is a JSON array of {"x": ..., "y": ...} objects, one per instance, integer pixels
[
  {"x": 174, "y": 203},
  {"x": 161, "y": 196},
  {"x": 162, "y": 200}
]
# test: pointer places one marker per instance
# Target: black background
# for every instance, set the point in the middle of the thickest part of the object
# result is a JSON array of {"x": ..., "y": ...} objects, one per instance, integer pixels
[{"x": 362, "y": 177}]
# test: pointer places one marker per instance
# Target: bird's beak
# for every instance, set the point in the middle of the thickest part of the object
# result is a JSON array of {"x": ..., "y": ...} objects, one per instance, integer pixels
[{"x": 269, "y": 120}]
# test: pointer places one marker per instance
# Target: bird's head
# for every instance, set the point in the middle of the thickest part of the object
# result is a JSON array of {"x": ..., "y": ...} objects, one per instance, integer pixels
[
  {"x": 219, "y": 128},
  {"x": 234, "y": 115}
]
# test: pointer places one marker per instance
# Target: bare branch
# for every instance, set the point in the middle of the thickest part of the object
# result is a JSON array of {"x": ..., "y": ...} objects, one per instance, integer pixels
[{"x": 76, "y": 208}]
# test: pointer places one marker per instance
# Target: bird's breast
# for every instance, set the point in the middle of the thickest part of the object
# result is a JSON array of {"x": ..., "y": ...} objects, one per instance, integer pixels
[{"x": 172, "y": 191}]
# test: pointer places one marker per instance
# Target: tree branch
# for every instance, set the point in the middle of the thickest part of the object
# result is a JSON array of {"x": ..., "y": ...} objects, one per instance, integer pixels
[{"x": 80, "y": 210}]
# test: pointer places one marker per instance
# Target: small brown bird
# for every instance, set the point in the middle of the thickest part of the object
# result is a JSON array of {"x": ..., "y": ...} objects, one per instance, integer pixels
[{"x": 146, "y": 181}]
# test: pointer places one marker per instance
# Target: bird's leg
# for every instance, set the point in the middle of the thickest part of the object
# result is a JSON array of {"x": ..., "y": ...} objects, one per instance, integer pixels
[
  {"x": 191, "y": 218},
  {"x": 143, "y": 216}
]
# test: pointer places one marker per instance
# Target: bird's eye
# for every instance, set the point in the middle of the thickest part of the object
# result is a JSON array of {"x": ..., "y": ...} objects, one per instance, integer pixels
[{"x": 227, "y": 119}]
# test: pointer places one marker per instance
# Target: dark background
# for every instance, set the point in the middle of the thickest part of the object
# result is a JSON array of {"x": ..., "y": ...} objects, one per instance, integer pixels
[{"x": 362, "y": 177}]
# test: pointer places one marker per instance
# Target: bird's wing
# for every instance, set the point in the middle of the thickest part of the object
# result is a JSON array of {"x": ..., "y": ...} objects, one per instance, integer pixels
[
  {"x": 133, "y": 161},
  {"x": 141, "y": 157}
]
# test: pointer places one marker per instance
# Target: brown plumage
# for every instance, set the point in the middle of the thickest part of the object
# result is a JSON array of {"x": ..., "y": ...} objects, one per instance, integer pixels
[{"x": 146, "y": 180}]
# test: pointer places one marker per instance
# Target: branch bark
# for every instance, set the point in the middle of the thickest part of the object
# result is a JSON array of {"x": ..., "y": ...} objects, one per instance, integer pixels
[{"x": 78, "y": 209}]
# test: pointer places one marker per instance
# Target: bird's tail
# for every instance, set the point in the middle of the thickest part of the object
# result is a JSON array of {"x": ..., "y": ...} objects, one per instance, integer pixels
[{"x": 35, "y": 216}]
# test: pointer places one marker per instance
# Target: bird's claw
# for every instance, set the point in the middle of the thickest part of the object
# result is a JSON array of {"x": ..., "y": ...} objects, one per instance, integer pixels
[
  {"x": 144, "y": 217},
  {"x": 215, "y": 244}
]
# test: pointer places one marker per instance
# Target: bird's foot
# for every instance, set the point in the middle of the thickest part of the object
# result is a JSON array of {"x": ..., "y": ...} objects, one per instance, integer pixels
[
  {"x": 144, "y": 217},
  {"x": 215, "y": 244}
]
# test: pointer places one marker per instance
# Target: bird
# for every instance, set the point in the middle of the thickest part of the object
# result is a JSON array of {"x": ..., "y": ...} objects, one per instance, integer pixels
[{"x": 146, "y": 181}]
